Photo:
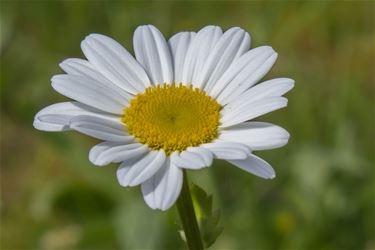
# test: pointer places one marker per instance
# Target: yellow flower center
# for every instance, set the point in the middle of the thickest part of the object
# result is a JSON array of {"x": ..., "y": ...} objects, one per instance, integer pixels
[{"x": 172, "y": 117}]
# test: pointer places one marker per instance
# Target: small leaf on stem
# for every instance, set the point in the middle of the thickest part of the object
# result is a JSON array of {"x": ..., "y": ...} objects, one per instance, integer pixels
[{"x": 208, "y": 219}]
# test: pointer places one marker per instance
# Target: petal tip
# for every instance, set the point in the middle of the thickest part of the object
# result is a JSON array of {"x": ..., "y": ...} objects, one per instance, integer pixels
[
  {"x": 272, "y": 176},
  {"x": 36, "y": 123}
]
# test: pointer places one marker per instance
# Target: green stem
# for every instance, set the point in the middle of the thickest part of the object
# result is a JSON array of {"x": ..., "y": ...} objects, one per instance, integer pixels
[{"x": 188, "y": 218}]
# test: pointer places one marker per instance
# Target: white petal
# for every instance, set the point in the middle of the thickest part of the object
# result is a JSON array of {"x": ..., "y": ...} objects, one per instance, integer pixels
[
  {"x": 197, "y": 54},
  {"x": 256, "y": 135},
  {"x": 75, "y": 66},
  {"x": 162, "y": 190},
  {"x": 232, "y": 44},
  {"x": 115, "y": 63},
  {"x": 132, "y": 173},
  {"x": 187, "y": 160},
  {"x": 193, "y": 158},
  {"x": 179, "y": 45},
  {"x": 56, "y": 117},
  {"x": 80, "y": 67},
  {"x": 178, "y": 161},
  {"x": 204, "y": 153},
  {"x": 153, "y": 53},
  {"x": 98, "y": 149},
  {"x": 91, "y": 92},
  {"x": 227, "y": 150},
  {"x": 256, "y": 166},
  {"x": 251, "y": 110},
  {"x": 196, "y": 161},
  {"x": 100, "y": 128},
  {"x": 108, "y": 152},
  {"x": 272, "y": 88},
  {"x": 244, "y": 73}
]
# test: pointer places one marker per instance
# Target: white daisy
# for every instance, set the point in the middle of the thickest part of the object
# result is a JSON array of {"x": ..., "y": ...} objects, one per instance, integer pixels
[{"x": 177, "y": 104}]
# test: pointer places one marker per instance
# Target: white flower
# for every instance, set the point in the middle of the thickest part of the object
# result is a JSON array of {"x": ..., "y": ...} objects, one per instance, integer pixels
[{"x": 177, "y": 104}]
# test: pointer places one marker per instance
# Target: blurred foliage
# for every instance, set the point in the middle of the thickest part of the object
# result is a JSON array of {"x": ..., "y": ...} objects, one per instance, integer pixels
[{"x": 323, "y": 196}]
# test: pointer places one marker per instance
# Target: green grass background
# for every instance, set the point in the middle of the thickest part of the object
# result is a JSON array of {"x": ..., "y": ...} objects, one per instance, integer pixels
[{"x": 323, "y": 197}]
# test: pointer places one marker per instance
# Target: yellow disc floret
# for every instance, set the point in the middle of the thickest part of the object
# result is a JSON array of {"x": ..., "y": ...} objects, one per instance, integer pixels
[{"x": 172, "y": 117}]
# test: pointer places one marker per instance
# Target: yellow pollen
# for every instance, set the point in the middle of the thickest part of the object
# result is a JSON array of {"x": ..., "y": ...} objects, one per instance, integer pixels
[{"x": 172, "y": 117}]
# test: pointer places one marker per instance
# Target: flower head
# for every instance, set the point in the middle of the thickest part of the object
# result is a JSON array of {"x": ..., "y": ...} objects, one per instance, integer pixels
[{"x": 177, "y": 104}]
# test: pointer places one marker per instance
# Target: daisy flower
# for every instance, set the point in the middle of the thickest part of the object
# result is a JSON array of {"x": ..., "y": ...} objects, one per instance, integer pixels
[{"x": 177, "y": 105}]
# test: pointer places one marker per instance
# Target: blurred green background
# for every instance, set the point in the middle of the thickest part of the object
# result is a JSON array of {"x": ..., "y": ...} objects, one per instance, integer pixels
[{"x": 323, "y": 197}]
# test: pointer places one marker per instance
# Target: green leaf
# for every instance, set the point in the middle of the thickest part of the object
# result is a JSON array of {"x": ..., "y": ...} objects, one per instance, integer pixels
[{"x": 208, "y": 219}]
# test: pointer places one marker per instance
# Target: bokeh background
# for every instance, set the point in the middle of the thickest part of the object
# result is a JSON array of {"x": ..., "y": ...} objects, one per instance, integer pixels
[{"x": 323, "y": 197}]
